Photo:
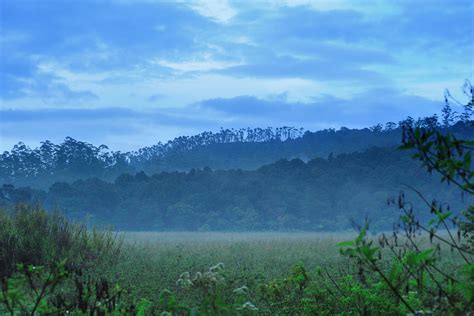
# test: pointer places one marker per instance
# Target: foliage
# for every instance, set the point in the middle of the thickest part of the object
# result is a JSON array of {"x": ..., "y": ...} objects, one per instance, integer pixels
[
  {"x": 57, "y": 290},
  {"x": 31, "y": 236},
  {"x": 321, "y": 195},
  {"x": 50, "y": 266},
  {"x": 416, "y": 271},
  {"x": 29, "y": 290},
  {"x": 335, "y": 288},
  {"x": 227, "y": 149}
]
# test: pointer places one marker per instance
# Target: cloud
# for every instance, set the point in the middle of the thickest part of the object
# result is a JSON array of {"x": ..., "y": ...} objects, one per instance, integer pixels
[
  {"x": 127, "y": 129},
  {"x": 29, "y": 81},
  {"x": 307, "y": 68},
  {"x": 365, "y": 109},
  {"x": 219, "y": 10},
  {"x": 88, "y": 38},
  {"x": 119, "y": 128},
  {"x": 69, "y": 115},
  {"x": 128, "y": 32},
  {"x": 405, "y": 27},
  {"x": 204, "y": 65},
  {"x": 158, "y": 66}
]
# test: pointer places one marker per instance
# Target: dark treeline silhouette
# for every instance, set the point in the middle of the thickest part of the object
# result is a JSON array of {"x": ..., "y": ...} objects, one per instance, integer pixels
[
  {"x": 74, "y": 159},
  {"x": 227, "y": 149},
  {"x": 247, "y": 179}
]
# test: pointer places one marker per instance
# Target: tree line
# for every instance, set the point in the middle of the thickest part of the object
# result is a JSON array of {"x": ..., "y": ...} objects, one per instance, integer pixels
[
  {"x": 321, "y": 194},
  {"x": 227, "y": 149}
]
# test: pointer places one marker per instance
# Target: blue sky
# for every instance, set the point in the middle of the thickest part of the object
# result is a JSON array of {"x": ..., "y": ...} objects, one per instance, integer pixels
[{"x": 132, "y": 73}]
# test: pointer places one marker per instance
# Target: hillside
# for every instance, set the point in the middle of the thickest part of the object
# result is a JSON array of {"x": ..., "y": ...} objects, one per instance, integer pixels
[
  {"x": 322, "y": 194},
  {"x": 246, "y": 149}
]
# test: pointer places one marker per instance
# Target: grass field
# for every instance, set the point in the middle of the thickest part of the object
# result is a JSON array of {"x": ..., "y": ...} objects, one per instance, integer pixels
[
  {"x": 153, "y": 261},
  {"x": 66, "y": 267}
]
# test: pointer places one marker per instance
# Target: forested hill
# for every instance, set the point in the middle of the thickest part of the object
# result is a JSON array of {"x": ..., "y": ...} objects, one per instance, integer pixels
[
  {"x": 321, "y": 194},
  {"x": 246, "y": 149}
]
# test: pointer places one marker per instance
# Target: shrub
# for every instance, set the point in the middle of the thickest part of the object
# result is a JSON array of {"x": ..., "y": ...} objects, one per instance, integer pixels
[{"x": 31, "y": 236}]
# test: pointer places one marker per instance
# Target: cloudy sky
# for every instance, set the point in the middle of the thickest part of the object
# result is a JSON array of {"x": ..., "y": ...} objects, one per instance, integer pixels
[{"x": 132, "y": 73}]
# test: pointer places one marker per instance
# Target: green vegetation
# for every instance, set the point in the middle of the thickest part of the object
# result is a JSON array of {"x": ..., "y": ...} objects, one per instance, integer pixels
[
  {"x": 228, "y": 149},
  {"x": 263, "y": 273},
  {"x": 246, "y": 149},
  {"x": 352, "y": 181},
  {"x": 32, "y": 236},
  {"x": 424, "y": 266},
  {"x": 320, "y": 195},
  {"x": 48, "y": 265}
]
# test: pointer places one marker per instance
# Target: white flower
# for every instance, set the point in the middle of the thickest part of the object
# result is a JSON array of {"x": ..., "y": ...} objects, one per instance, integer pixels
[
  {"x": 248, "y": 306},
  {"x": 241, "y": 290}
]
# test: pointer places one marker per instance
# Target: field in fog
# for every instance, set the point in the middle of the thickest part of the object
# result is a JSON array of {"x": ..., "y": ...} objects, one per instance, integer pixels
[
  {"x": 155, "y": 260},
  {"x": 232, "y": 237},
  {"x": 185, "y": 273},
  {"x": 265, "y": 252}
]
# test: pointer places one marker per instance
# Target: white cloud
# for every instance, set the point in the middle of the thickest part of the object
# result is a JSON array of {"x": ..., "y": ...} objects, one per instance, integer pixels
[
  {"x": 196, "y": 65},
  {"x": 218, "y": 10},
  {"x": 373, "y": 8},
  {"x": 68, "y": 75},
  {"x": 219, "y": 86}
]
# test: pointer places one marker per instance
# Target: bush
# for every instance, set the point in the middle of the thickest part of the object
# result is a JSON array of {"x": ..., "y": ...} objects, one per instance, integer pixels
[
  {"x": 50, "y": 266},
  {"x": 31, "y": 236}
]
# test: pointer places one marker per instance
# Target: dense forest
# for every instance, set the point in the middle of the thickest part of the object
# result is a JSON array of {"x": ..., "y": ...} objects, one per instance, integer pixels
[
  {"x": 289, "y": 194},
  {"x": 246, "y": 149}
]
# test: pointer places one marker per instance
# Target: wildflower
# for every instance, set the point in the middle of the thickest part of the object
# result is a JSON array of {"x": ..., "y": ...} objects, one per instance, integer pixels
[
  {"x": 218, "y": 267},
  {"x": 241, "y": 290},
  {"x": 249, "y": 306},
  {"x": 185, "y": 275}
]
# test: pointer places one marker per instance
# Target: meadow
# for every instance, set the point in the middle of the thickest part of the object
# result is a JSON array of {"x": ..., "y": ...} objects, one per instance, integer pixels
[
  {"x": 152, "y": 262},
  {"x": 52, "y": 266},
  {"x": 155, "y": 260}
]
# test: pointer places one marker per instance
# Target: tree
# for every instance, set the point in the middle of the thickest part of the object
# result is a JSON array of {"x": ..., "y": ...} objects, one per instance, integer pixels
[
  {"x": 390, "y": 126},
  {"x": 448, "y": 116},
  {"x": 468, "y": 108},
  {"x": 412, "y": 267},
  {"x": 377, "y": 128}
]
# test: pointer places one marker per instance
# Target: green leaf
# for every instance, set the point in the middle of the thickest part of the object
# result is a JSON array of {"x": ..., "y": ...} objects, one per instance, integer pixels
[
  {"x": 361, "y": 235},
  {"x": 432, "y": 221},
  {"x": 406, "y": 219},
  {"x": 143, "y": 307},
  {"x": 424, "y": 255},
  {"x": 467, "y": 161},
  {"x": 395, "y": 272},
  {"x": 346, "y": 243},
  {"x": 443, "y": 216},
  {"x": 369, "y": 252}
]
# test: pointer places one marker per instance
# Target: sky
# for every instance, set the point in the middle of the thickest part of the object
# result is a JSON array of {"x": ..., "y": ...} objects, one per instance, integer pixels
[{"x": 131, "y": 73}]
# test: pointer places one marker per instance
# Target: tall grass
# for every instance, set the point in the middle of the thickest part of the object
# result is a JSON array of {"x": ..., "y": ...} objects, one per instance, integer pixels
[
  {"x": 153, "y": 261},
  {"x": 181, "y": 273},
  {"x": 31, "y": 236}
]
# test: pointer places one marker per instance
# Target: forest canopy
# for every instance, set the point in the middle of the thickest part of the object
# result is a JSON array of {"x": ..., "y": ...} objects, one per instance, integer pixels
[{"x": 220, "y": 182}]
